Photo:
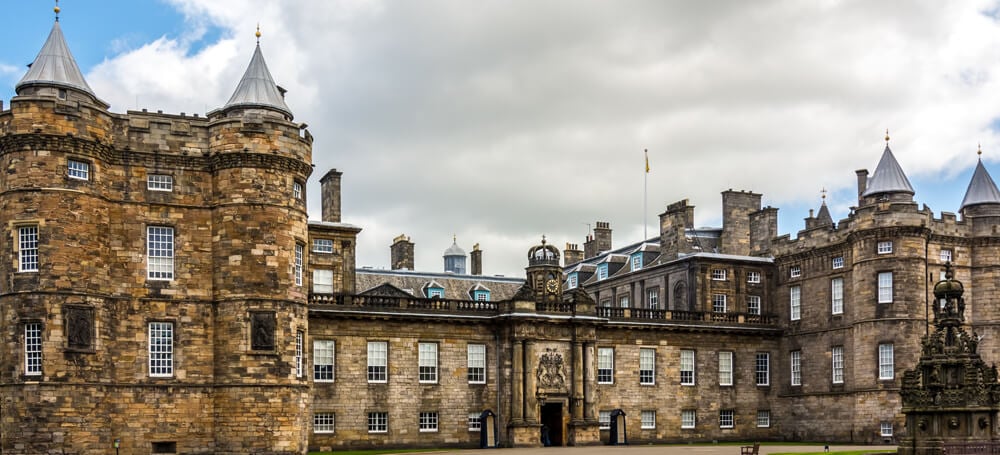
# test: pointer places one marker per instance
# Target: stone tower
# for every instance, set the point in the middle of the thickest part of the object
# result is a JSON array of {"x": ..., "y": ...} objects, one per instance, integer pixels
[{"x": 544, "y": 273}]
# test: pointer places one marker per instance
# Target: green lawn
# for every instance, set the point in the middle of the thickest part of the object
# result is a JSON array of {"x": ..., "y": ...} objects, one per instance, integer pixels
[
  {"x": 379, "y": 451},
  {"x": 843, "y": 452}
]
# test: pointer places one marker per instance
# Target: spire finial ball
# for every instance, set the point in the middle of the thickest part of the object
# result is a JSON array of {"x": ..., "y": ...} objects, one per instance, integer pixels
[
  {"x": 979, "y": 149},
  {"x": 257, "y": 33},
  {"x": 887, "y": 134}
]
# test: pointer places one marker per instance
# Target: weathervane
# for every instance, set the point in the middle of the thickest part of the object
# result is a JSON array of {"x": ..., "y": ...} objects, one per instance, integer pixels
[{"x": 56, "y": 9}]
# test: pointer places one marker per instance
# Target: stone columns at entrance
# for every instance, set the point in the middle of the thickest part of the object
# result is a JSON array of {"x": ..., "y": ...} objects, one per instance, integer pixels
[
  {"x": 530, "y": 392},
  {"x": 517, "y": 383},
  {"x": 577, "y": 404},
  {"x": 590, "y": 382}
]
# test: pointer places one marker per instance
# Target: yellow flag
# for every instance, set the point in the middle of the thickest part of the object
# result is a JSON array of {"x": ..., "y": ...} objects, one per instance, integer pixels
[{"x": 647, "y": 159}]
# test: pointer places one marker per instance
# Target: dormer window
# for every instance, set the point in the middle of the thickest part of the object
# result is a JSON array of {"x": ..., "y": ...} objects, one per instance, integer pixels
[
  {"x": 433, "y": 290},
  {"x": 636, "y": 261},
  {"x": 481, "y": 296},
  {"x": 602, "y": 271},
  {"x": 571, "y": 281}
]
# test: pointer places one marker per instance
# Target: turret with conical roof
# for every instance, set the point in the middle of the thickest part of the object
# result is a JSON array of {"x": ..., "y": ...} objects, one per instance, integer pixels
[
  {"x": 888, "y": 182},
  {"x": 257, "y": 90},
  {"x": 981, "y": 203}
]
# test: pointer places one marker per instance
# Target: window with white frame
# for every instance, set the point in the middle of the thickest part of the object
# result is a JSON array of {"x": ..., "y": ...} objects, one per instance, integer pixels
[
  {"x": 753, "y": 304},
  {"x": 795, "y": 361},
  {"x": 763, "y": 418},
  {"x": 571, "y": 281},
  {"x": 435, "y": 293},
  {"x": 378, "y": 361},
  {"x": 297, "y": 190},
  {"x": 605, "y": 365},
  {"x": 719, "y": 274},
  {"x": 687, "y": 367},
  {"x": 636, "y": 262},
  {"x": 427, "y": 359},
  {"x": 428, "y": 422},
  {"x": 476, "y": 354},
  {"x": 159, "y": 182},
  {"x": 161, "y": 349},
  {"x": 753, "y": 277},
  {"x": 475, "y": 424},
  {"x": 762, "y": 368},
  {"x": 727, "y": 418},
  {"x": 298, "y": 264},
  {"x": 885, "y": 429},
  {"x": 647, "y": 366},
  {"x": 623, "y": 301},
  {"x": 795, "y": 271},
  {"x": 837, "y": 296},
  {"x": 885, "y": 287},
  {"x": 322, "y": 281},
  {"x": 378, "y": 422},
  {"x": 725, "y": 368},
  {"x": 647, "y": 420},
  {"x": 323, "y": 360},
  {"x": 886, "y": 369},
  {"x": 885, "y": 247},
  {"x": 323, "y": 422},
  {"x": 481, "y": 296},
  {"x": 602, "y": 271},
  {"x": 653, "y": 298},
  {"x": 27, "y": 252},
  {"x": 78, "y": 169},
  {"x": 719, "y": 303},
  {"x": 794, "y": 303},
  {"x": 688, "y": 418},
  {"x": 322, "y": 246},
  {"x": 159, "y": 252},
  {"x": 33, "y": 349},
  {"x": 299, "y": 353},
  {"x": 945, "y": 255},
  {"x": 838, "y": 262},
  {"x": 837, "y": 364},
  {"x": 604, "y": 420}
]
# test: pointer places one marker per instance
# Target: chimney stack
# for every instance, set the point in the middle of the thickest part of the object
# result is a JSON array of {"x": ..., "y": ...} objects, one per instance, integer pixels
[
  {"x": 401, "y": 253},
  {"x": 330, "y": 196},
  {"x": 477, "y": 260},
  {"x": 572, "y": 254},
  {"x": 673, "y": 224},
  {"x": 600, "y": 241},
  {"x": 862, "y": 182}
]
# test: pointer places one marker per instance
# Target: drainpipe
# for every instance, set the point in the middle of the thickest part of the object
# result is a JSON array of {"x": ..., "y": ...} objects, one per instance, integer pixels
[{"x": 496, "y": 349}]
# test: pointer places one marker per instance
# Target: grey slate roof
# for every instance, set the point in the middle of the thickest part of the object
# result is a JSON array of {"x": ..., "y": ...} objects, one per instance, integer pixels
[
  {"x": 823, "y": 218},
  {"x": 982, "y": 189},
  {"x": 455, "y": 286},
  {"x": 257, "y": 88},
  {"x": 888, "y": 177},
  {"x": 454, "y": 250},
  {"x": 55, "y": 65}
]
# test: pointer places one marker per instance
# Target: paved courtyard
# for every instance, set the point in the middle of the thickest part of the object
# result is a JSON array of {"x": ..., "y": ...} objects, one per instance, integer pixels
[{"x": 670, "y": 450}]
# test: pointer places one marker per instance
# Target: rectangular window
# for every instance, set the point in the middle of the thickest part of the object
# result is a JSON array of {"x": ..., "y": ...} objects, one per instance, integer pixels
[
  {"x": 727, "y": 418},
  {"x": 605, "y": 365},
  {"x": 427, "y": 360},
  {"x": 378, "y": 422},
  {"x": 837, "y": 364},
  {"x": 474, "y": 423},
  {"x": 647, "y": 420},
  {"x": 719, "y": 274},
  {"x": 323, "y": 422},
  {"x": 647, "y": 366},
  {"x": 378, "y": 361},
  {"x": 885, "y": 363},
  {"x": 623, "y": 301},
  {"x": 159, "y": 182},
  {"x": 795, "y": 361},
  {"x": 161, "y": 349},
  {"x": 602, "y": 271},
  {"x": 159, "y": 253},
  {"x": 719, "y": 303},
  {"x": 762, "y": 371},
  {"x": 322, "y": 281},
  {"x": 477, "y": 363},
  {"x": 753, "y": 304},
  {"x": 838, "y": 262},
  {"x": 428, "y": 422},
  {"x": 795, "y": 271},
  {"x": 885, "y": 247},
  {"x": 653, "y": 298},
  {"x": 604, "y": 420},
  {"x": 837, "y": 296},
  {"x": 323, "y": 360},
  {"x": 885, "y": 429},
  {"x": 885, "y": 287},
  {"x": 297, "y": 190},
  {"x": 753, "y": 277},
  {"x": 636, "y": 262},
  {"x": 687, "y": 367},
  {"x": 33, "y": 349},
  {"x": 298, "y": 264},
  {"x": 78, "y": 170},
  {"x": 945, "y": 255},
  {"x": 794, "y": 302},
  {"x": 27, "y": 252},
  {"x": 298, "y": 353},
  {"x": 763, "y": 418},
  {"x": 482, "y": 296},
  {"x": 725, "y": 368},
  {"x": 571, "y": 281},
  {"x": 322, "y": 246},
  {"x": 688, "y": 418}
]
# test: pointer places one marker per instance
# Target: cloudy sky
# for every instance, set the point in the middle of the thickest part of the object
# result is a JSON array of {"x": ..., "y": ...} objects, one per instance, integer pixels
[{"x": 501, "y": 121}]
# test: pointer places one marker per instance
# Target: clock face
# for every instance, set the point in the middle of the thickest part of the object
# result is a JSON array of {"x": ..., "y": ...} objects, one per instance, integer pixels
[{"x": 552, "y": 285}]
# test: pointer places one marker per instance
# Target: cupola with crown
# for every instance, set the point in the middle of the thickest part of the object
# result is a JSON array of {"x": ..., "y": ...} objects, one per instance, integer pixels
[
  {"x": 454, "y": 258},
  {"x": 887, "y": 184},
  {"x": 544, "y": 272}
]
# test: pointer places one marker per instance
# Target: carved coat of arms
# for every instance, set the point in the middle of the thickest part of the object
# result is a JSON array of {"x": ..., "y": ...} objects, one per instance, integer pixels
[{"x": 550, "y": 370}]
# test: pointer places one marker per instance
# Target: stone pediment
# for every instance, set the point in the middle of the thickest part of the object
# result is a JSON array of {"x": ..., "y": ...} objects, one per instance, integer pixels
[{"x": 387, "y": 290}]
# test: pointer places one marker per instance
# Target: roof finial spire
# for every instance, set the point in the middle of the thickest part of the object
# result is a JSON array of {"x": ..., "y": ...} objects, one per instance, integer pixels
[
  {"x": 979, "y": 149},
  {"x": 257, "y": 34},
  {"x": 887, "y": 137},
  {"x": 56, "y": 9},
  {"x": 823, "y": 194},
  {"x": 543, "y": 239}
]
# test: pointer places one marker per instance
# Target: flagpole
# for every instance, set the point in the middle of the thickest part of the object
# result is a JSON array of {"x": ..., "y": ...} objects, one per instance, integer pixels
[{"x": 645, "y": 186}]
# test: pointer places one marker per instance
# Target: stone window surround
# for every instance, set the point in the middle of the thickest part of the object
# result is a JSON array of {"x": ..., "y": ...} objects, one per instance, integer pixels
[
  {"x": 427, "y": 362},
  {"x": 324, "y": 422},
  {"x": 299, "y": 262},
  {"x": 605, "y": 365},
  {"x": 428, "y": 422},
  {"x": 719, "y": 303},
  {"x": 378, "y": 422},
  {"x": 727, "y": 362},
  {"x": 33, "y": 338},
  {"x": 689, "y": 418},
  {"x": 763, "y": 418},
  {"x": 762, "y": 369},
  {"x": 604, "y": 420},
  {"x": 299, "y": 353},
  {"x": 647, "y": 419},
  {"x": 160, "y": 261},
  {"x": 946, "y": 254},
  {"x": 473, "y": 422},
  {"x": 753, "y": 277},
  {"x": 78, "y": 169},
  {"x": 753, "y": 304},
  {"x": 378, "y": 362},
  {"x": 884, "y": 286},
  {"x": 886, "y": 361},
  {"x": 26, "y": 246},
  {"x": 837, "y": 295},
  {"x": 476, "y": 358},
  {"x": 647, "y": 366},
  {"x": 884, "y": 247},
  {"x": 795, "y": 303},
  {"x": 165, "y": 363},
  {"x": 795, "y": 367},
  {"x": 727, "y": 418},
  {"x": 719, "y": 274},
  {"x": 687, "y": 367},
  {"x": 795, "y": 271},
  {"x": 837, "y": 364},
  {"x": 324, "y": 246},
  {"x": 837, "y": 262},
  {"x": 160, "y": 182},
  {"x": 324, "y": 360}
]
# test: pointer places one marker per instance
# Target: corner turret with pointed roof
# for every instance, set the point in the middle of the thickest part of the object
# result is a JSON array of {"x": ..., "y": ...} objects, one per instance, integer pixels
[
  {"x": 888, "y": 182},
  {"x": 982, "y": 189},
  {"x": 54, "y": 72},
  {"x": 257, "y": 90},
  {"x": 822, "y": 218}
]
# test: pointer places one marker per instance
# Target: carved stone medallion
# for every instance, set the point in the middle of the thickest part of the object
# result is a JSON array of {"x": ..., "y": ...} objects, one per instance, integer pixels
[{"x": 550, "y": 370}]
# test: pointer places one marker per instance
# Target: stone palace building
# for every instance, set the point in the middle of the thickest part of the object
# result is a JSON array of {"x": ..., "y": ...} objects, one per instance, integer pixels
[{"x": 165, "y": 292}]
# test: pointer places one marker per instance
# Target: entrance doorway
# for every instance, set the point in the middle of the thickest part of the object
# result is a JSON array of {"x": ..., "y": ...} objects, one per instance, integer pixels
[{"x": 552, "y": 423}]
